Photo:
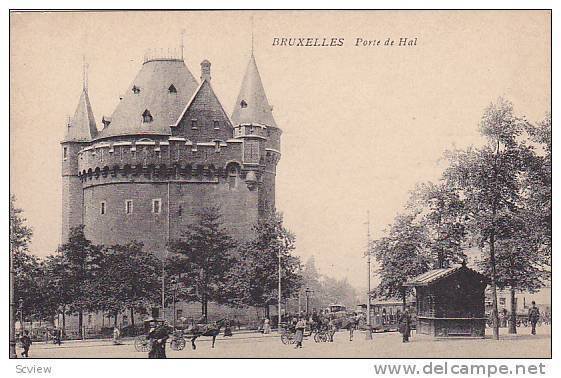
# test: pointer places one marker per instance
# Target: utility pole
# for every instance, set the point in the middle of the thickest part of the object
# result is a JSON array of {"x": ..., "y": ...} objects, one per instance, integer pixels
[
  {"x": 368, "y": 323},
  {"x": 280, "y": 296}
]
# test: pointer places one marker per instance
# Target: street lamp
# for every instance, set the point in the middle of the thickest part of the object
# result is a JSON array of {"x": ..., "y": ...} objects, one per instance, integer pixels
[
  {"x": 308, "y": 293},
  {"x": 21, "y": 313},
  {"x": 173, "y": 283}
]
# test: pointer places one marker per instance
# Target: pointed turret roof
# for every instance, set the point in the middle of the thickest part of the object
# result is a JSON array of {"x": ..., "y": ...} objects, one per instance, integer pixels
[
  {"x": 252, "y": 105},
  {"x": 81, "y": 127},
  {"x": 162, "y": 87}
]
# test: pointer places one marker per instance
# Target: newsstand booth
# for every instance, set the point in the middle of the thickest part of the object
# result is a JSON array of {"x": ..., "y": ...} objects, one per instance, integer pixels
[{"x": 450, "y": 302}]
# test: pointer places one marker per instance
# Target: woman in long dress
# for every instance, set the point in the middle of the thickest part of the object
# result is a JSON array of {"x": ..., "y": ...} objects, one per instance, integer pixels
[{"x": 300, "y": 326}]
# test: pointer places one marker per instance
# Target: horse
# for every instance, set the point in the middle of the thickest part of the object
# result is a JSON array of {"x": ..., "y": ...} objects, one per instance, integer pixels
[{"x": 211, "y": 329}]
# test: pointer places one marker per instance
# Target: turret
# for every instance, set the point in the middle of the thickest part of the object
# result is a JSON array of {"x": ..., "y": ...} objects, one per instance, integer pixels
[
  {"x": 80, "y": 130},
  {"x": 254, "y": 124}
]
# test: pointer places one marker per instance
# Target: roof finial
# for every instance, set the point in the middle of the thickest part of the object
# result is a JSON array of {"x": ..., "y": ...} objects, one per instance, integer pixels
[
  {"x": 252, "y": 35},
  {"x": 84, "y": 73},
  {"x": 182, "y": 35}
]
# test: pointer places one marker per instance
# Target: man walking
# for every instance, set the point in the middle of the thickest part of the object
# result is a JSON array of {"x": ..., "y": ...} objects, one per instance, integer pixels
[
  {"x": 25, "y": 343},
  {"x": 533, "y": 316},
  {"x": 405, "y": 325}
]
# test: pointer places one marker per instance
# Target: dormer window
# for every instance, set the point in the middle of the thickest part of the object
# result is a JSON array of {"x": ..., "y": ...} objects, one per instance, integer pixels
[
  {"x": 172, "y": 89},
  {"x": 243, "y": 104},
  {"x": 216, "y": 125},
  {"x": 135, "y": 89},
  {"x": 194, "y": 124},
  {"x": 147, "y": 117}
]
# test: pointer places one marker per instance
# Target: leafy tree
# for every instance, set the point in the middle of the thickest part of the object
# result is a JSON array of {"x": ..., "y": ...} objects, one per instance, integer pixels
[
  {"x": 22, "y": 264},
  {"x": 260, "y": 262},
  {"x": 487, "y": 180},
  {"x": 128, "y": 279},
  {"x": 204, "y": 256},
  {"x": 81, "y": 261},
  {"x": 401, "y": 255},
  {"x": 442, "y": 215}
]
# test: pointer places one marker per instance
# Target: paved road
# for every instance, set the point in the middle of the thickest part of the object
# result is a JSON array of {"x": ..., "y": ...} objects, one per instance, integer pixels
[{"x": 383, "y": 345}]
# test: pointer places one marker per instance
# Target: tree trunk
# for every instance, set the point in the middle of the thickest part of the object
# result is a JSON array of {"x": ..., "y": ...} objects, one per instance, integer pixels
[
  {"x": 80, "y": 322},
  {"x": 495, "y": 314},
  {"x": 404, "y": 299},
  {"x": 132, "y": 318},
  {"x": 512, "y": 323},
  {"x": 115, "y": 319},
  {"x": 63, "y": 332}
]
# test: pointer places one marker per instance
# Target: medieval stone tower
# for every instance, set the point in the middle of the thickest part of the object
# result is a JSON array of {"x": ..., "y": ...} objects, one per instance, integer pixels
[{"x": 168, "y": 150}]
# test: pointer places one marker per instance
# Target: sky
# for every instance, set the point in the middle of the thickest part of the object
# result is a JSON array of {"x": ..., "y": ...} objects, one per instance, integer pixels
[{"x": 361, "y": 124}]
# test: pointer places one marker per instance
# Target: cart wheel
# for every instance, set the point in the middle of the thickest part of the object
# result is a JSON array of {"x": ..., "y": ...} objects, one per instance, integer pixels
[
  {"x": 141, "y": 344},
  {"x": 177, "y": 343}
]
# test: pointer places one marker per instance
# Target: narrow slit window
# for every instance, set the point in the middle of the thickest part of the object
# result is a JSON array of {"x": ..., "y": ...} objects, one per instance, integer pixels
[
  {"x": 65, "y": 153},
  {"x": 157, "y": 206},
  {"x": 128, "y": 206},
  {"x": 102, "y": 208}
]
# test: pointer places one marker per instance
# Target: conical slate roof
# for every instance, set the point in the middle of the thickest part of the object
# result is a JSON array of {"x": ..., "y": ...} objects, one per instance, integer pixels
[
  {"x": 82, "y": 126},
  {"x": 161, "y": 89},
  {"x": 252, "y": 105}
]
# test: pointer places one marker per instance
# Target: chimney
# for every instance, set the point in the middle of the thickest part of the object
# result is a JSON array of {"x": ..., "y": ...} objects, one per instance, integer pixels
[{"x": 205, "y": 70}]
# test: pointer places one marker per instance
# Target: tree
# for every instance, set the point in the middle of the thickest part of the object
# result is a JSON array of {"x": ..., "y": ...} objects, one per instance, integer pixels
[
  {"x": 81, "y": 261},
  {"x": 487, "y": 180},
  {"x": 401, "y": 255},
  {"x": 442, "y": 215},
  {"x": 260, "y": 262},
  {"x": 204, "y": 254},
  {"x": 127, "y": 280},
  {"x": 20, "y": 236}
]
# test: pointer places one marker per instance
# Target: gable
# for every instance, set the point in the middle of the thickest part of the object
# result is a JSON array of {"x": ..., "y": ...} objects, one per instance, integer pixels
[{"x": 204, "y": 118}]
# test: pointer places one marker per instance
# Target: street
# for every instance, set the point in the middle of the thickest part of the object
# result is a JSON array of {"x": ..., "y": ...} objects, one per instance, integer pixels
[{"x": 383, "y": 345}]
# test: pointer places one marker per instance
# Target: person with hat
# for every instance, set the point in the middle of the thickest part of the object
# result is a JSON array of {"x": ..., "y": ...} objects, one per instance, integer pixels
[
  {"x": 158, "y": 336},
  {"x": 533, "y": 316}
]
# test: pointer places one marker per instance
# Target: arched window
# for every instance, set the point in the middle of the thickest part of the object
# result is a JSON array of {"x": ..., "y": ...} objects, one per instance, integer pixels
[
  {"x": 172, "y": 89},
  {"x": 243, "y": 104},
  {"x": 147, "y": 117}
]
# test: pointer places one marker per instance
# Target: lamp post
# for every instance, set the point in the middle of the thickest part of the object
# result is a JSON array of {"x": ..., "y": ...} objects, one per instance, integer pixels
[
  {"x": 368, "y": 320},
  {"x": 173, "y": 283},
  {"x": 308, "y": 293},
  {"x": 21, "y": 313}
]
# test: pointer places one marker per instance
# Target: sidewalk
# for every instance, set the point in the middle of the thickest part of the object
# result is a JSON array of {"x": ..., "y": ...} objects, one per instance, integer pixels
[{"x": 241, "y": 335}]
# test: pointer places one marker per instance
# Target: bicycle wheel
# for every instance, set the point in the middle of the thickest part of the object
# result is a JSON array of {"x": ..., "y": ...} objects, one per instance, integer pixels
[
  {"x": 317, "y": 337},
  {"x": 285, "y": 339}
]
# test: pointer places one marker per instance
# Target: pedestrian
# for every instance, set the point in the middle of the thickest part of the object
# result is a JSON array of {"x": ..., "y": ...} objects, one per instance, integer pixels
[
  {"x": 227, "y": 328},
  {"x": 116, "y": 336},
  {"x": 266, "y": 326},
  {"x": 25, "y": 343},
  {"x": 533, "y": 316},
  {"x": 57, "y": 336},
  {"x": 405, "y": 325},
  {"x": 158, "y": 336},
  {"x": 299, "y": 337},
  {"x": 331, "y": 328}
]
